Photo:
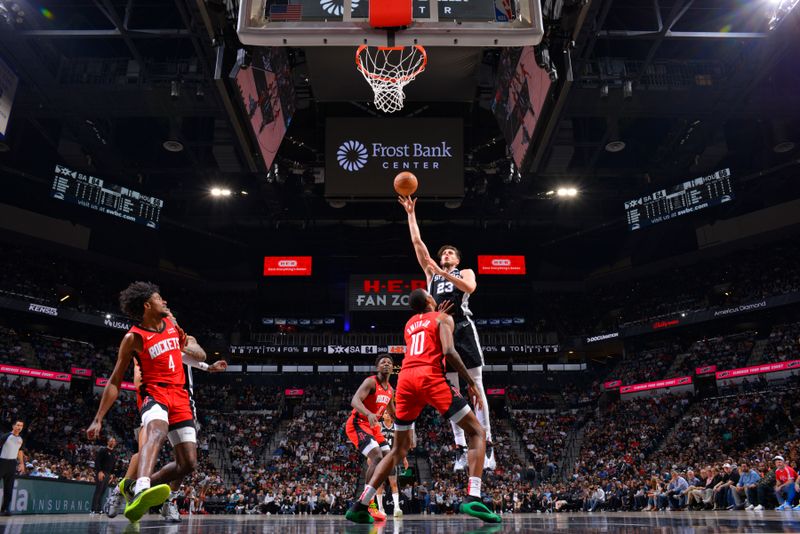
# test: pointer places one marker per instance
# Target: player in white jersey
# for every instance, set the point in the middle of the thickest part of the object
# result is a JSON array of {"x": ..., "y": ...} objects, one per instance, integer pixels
[{"x": 448, "y": 283}]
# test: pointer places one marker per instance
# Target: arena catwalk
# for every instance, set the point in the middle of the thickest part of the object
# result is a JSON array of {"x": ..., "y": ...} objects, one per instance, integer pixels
[{"x": 416, "y": 524}]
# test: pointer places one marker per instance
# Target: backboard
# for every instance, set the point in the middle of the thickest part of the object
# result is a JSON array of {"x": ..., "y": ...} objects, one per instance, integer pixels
[{"x": 473, "y": 23}]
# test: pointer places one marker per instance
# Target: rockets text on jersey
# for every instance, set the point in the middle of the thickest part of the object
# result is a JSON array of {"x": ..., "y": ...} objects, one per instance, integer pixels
[
  {"x": 377, "y": 401},
  {"x": 423, "y": 344},
  {"x": 160, "y": 361}
]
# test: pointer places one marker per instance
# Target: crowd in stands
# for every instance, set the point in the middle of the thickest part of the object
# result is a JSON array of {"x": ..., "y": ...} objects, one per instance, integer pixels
[
  {"x": 726, "y": 352},
  {"x": 613, "y": 447},
  {"x": 646, "y": 365},
  {"x": 52, "y": 353},
  {"x": 90, "y": 287},
  {"x": 262, "y": 452},
  {"x": 526, "y": 396},
  {"x": 61, "y": 354},
  {"x": 545, "y": 436},
  {"x": 242, "y": 397},
  {"x": 727, "y": 425},
  {"x": 783, "y": 344},
  {"x": 727, "y": 281},
  {"x": 731, "y": 351},
  {"x": 10, "y": 347},
  {"x": 597, "y": 306},
  {"x": 313, "y": 470}
]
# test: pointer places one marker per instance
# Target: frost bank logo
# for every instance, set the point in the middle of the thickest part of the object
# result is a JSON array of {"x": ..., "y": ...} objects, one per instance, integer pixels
[
  {"x": 336, "y": 7},
  {"x": 352, "y": 155}
]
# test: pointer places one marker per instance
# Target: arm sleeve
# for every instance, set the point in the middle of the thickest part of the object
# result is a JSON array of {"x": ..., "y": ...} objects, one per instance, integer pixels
[{"x": 191, "y": 362}]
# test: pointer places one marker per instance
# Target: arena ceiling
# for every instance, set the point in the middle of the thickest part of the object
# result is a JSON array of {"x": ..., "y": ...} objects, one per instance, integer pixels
[{"x": 688, "y": 85}]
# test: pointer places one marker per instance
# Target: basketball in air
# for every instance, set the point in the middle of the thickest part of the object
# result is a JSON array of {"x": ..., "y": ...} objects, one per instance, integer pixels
[{"x": 405, "y": 184}]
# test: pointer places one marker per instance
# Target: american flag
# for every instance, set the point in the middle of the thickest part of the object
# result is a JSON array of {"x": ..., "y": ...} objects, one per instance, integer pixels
[{"x": 284, "y": 12}]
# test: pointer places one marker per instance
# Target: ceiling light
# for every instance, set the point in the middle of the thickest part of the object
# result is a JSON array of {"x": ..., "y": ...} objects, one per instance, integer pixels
[
  {"x": 778, "y": 10},
  {"x": 615, "y": 146},
  {"x": 65, "y": 297},
  {"x": 567, "y": 192},
  {"x": 244, "y": 192},
  {"x": 11, "y": 12},
  {"x": 174, "y": 89},
  {"x": 225, "y": 192},
  {"x": 338, "y": 204},
  {"x": 627, "y": 89},
  {"x": 171, "y": 145},
  {"x": 108, "y": 316},
  {"x": 216, "y": 191},
  {"x": 783, "y": 147},
  {"x": 452, "y": 204}
]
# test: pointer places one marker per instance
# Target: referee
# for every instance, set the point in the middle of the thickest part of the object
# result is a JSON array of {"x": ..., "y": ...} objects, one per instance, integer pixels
[
  {"x": 10, "y": 455},
  {"x": 104, "y": 467}
]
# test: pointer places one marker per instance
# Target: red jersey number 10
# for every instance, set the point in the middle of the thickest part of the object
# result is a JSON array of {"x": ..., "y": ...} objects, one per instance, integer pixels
[{"x": 417, "y": 344}]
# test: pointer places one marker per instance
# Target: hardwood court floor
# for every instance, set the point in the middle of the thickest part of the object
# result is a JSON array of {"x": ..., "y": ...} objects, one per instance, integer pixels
[{"x": 664, "y": 522}]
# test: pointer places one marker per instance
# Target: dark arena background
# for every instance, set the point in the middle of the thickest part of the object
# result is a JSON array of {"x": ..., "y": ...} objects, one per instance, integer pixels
[{"x": 621, "y": 176}]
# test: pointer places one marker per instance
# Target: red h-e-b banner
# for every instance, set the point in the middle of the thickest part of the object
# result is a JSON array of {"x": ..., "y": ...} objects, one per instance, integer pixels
[
  {"x": 501, "y": 264},
  {"x": 294, "y": 392},
  {"x": 287, "y": 265}
]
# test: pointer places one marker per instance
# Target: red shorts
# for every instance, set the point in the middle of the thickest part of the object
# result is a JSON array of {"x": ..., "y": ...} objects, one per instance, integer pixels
[
  {"x": 168, "y": 403},
  {"x": 420, "y": 386},
  {"x": 362, "y": 436}
]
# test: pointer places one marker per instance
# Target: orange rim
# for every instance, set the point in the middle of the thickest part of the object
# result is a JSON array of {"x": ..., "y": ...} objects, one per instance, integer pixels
[{"x": 407, "y": 77}]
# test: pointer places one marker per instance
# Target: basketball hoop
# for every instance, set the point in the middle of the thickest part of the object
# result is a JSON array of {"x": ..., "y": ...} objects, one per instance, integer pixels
[{"x": 388, "y": 69}]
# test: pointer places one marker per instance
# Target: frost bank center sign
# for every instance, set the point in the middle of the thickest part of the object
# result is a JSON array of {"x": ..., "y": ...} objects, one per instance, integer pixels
[{"x": 364, "y": 155}]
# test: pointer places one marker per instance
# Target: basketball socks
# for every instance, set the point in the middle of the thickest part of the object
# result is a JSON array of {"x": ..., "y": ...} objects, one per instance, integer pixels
[
  {"x": 474, "y": 488},
  {"x": 142, "y": 484},
  {"x": 396, "y": 500},
  {"x": 367, "y": 495}
]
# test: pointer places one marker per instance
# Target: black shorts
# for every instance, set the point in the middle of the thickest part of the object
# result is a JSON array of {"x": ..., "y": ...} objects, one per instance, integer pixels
[{"x": 465, "y": 338}]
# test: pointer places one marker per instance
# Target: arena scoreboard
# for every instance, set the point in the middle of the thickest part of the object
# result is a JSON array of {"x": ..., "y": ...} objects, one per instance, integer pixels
[
  {"x": 687, "y": 197},
  {"x": 91, "y": 192}
]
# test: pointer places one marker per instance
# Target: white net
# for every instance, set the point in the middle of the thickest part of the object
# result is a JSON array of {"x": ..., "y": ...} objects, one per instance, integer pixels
[{"x": 388, "y": 70}]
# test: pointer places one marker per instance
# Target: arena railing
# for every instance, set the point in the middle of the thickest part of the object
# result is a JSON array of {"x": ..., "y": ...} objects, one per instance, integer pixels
[{"x": 393, "y": 338}]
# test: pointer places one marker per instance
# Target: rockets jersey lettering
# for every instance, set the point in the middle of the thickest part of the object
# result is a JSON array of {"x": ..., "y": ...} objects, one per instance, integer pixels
[
  {"x": 376, "y": 401},
  {"x": 423, "y": 344},
  {"x": 160, "y": 361},
  {"x": 442, "y": 289}
]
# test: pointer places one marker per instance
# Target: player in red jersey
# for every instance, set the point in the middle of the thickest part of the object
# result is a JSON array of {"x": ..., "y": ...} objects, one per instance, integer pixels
[
  {"x": 166, "y": 410},
  {"x": 193, "y": 357},
  {"x": 429, "y": 343},
  {"x": 371, "y": 400}
]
